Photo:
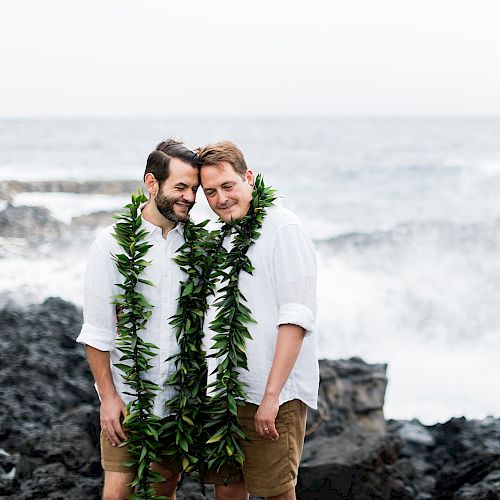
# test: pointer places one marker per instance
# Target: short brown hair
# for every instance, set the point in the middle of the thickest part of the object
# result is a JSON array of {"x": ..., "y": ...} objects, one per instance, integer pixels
[{"x": 214, "y": 154}]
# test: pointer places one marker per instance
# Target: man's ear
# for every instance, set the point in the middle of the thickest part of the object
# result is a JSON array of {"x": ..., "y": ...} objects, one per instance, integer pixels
[
  {"x": 151, "y": 184},
  {"x": 249, "y": 177}
]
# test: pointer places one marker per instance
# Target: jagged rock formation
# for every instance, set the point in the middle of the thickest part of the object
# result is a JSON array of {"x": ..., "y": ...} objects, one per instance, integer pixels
[{"x": 49, "y": 424}]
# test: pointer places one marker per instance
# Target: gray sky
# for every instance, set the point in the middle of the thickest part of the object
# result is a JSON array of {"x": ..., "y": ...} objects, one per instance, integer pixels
[{"x": 227, "y": 57}]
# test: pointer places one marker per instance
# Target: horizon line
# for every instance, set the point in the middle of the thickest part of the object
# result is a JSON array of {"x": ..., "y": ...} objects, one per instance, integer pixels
[{"x": 409, "y": 116}]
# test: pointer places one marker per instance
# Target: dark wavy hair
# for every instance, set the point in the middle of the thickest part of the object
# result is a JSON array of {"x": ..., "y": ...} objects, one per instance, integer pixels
[{"x": 158, "y": 162}]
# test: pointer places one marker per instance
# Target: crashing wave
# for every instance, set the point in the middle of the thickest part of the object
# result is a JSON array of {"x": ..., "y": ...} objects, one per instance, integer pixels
[{"x": 438, "y": 233}]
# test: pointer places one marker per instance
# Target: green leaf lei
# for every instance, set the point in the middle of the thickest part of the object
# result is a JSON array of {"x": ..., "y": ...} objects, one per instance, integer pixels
[
  {"x": 197, "y": 258},
  {"x": 133, "y": 311},
  {"x": 230, "y": 326}
]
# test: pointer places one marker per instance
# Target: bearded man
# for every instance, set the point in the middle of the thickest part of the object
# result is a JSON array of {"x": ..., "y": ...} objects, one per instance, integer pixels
[
  {"x": 282, "y": 377},
  {"x": 171, "y": 179}
]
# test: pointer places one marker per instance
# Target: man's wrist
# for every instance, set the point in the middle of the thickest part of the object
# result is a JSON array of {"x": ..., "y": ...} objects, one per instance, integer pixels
[
  {"x": 271, "y": 393},
  {"x": 107, "y": 394}
]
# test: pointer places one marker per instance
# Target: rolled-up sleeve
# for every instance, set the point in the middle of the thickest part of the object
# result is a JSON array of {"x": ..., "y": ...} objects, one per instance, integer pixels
[
  {"x": 295, "y": 270},
  {"x": 99, "y": 315}
]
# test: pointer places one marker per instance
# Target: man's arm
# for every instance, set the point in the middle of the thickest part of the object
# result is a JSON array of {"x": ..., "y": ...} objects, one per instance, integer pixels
[
  {"x": 112, "y": 407},
  {"x": 294, "y": 269},
  {"x": 288, "y": 346},
  {"x": 98, "y": 334}
]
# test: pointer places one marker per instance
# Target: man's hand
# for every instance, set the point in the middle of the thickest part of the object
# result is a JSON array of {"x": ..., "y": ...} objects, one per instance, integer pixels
[
  {"x": 266, "y": 416},
  {"x": 112, "y": 407},
  {"x": 288, "y": 346},
  {"x": 112, "y": 413}
]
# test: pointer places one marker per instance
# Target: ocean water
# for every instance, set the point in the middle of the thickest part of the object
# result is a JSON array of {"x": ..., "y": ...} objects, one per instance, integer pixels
[{"x": 405, "y": 214}]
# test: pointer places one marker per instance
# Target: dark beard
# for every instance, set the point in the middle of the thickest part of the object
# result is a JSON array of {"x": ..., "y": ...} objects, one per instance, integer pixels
[{"x": 165, "y": 205}]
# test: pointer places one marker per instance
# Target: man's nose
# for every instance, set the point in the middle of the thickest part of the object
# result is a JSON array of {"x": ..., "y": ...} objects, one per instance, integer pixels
[
  {"x": 189, "y": 196},
  {"x": 222, "y": 198}
]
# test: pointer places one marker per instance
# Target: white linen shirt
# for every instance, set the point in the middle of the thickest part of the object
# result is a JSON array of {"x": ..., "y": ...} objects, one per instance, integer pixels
[
  {"x": 99, "y": 328},
  {"x": 281, "y": 290}
]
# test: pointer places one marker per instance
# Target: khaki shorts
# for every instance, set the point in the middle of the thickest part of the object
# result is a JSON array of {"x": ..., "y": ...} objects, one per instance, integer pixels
[
  {"x": 112, "y": 458},
  {"x": 270, "y": 467}
]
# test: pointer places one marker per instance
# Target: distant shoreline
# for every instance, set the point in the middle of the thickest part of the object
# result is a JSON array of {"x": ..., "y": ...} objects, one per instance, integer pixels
[{"x": 8, "y": 188}]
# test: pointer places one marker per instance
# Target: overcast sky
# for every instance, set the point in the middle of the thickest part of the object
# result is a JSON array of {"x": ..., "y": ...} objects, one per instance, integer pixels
[{"x": 108, "y": 58}]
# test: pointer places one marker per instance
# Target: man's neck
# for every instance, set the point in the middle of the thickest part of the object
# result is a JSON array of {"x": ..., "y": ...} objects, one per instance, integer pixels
[{"x": 152, "y": 215}]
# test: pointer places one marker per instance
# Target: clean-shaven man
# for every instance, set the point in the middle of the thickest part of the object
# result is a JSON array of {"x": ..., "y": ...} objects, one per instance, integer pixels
[
  {"x": 171, "y": 179},
  {"x": 283, "y": 376}
]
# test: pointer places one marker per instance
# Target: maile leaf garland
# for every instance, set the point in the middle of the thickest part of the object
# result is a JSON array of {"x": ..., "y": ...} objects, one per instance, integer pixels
[
  {"x": 133, "y": 312},
  {"x": 230, "y": 326},
  {"x": 197, "y": 258}
]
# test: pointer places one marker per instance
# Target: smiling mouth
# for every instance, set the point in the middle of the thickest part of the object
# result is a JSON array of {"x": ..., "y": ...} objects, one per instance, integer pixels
[{"x": 226, "y": 208}]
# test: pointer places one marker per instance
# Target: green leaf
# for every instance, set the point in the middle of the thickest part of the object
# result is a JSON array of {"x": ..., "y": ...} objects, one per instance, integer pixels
[
  {"x": 188, "y": 289},
  {"x": 187, "y": 419},
  {"x": 183, "y": 445},
  {"x": 215, "y": 438}
]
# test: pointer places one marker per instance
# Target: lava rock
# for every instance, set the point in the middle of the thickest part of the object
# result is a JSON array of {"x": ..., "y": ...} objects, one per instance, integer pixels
[
  {"x": 351, "y": 391},
  {"x": 356, "y": 464},
  {"x": 487, "y": 489},
  {"x": 415, "y": 436},
  {"x": 49, "y": 415},
  {"x": 30, "y": 223},
  {"x": 450, "y": 460},
  {"x": 88, "y": 223},
  {"x": 116, "y": 186},
  {"x": 49, "y": 428}
]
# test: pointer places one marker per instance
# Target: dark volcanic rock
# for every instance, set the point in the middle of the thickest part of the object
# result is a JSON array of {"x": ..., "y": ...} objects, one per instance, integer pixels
[
  {"x": 487, "y": 489},
  {"x": 48, "y": 408},
  {"x": 30, "y": 223},
  {"x": 8, "y": 188},
  {"x": 351, "y": 391},
  {"x": 347, "y": 453},
  {"x": 466, "y": 453},
  {"x": 457, "y": 459},
  {"x": 49, "y": 427},
  {"x": 43, "y": 370},
  {"x": 355, "y": 464}
]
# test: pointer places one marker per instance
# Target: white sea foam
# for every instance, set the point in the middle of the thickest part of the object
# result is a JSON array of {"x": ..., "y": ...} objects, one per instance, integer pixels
[
  {"x": 436, "y": 380},
  {"x": 425, "y": 307},
  {"x": 31, "y": 273},
  {"x": 65, "y": 206}
]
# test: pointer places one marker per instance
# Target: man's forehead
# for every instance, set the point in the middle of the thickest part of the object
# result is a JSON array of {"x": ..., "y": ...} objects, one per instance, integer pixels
[
  {"x": 217, "y": 174},
  {"x": 179, "y": 165},
  {"x": 182, "y": 172}
]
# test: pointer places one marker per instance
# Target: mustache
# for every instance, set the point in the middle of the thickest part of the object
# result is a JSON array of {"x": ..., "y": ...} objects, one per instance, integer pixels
[
  {"x": 225, "y": 205},
  {"x": 186, "y": 203}
]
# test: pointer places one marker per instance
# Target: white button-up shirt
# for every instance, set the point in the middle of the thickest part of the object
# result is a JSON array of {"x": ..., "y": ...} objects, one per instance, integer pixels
[
  {"x": 99, "y": 328},
  {"x": 281, "y": 290}
]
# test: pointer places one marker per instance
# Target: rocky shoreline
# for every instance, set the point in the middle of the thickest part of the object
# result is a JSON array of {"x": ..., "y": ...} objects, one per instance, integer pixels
[
  {"x": 49, "y": 427},
  {"x": 8, "y": 189}
]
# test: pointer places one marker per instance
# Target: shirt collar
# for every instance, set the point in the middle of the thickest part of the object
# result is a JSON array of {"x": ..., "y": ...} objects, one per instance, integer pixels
[{"x": 151, "y": 228}]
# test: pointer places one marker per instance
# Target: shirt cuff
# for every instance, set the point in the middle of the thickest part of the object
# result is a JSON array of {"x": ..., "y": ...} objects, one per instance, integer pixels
[
  {"x": 99, "y": 338},
  {"x": 296, "y": 314}
]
